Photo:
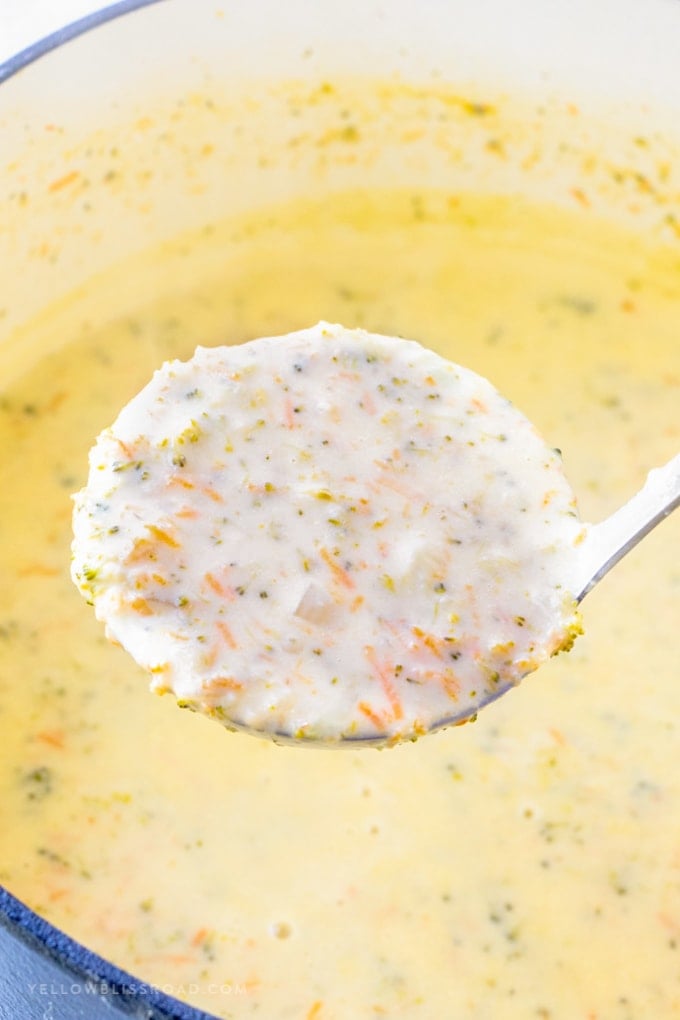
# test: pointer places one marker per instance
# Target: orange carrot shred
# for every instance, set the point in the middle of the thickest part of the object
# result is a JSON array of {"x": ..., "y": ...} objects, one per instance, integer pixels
[
  {"x": 126, "y": 448},
  {"x": 222, "y": 683},
  {"x": 289, "y": 414},
  {"x": 200, "y": 936},
  {"x": 141, "y": 606},
  {"x": 339, "y": 573},
  {"x": 382, "y": 671},
  {"x": 226, "y": 634},
  {"x": 37, "y": 570},
  {"x": 375, "y": 718},
  {"x": 219, "y": 588},
  {"x": 63, "y": 182},
  {"x": 163, "y": 536},
  {"x": 187, "y": 513},
  {"x": 212, "y": 493},
  {"x": 580, "y": 197},
  {"x": 54, "y": 738},
  {"x": 184, "y": 483}
]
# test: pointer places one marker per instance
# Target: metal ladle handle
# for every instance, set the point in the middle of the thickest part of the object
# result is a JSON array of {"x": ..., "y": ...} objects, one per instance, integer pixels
[{"x": 609, "y": 541}]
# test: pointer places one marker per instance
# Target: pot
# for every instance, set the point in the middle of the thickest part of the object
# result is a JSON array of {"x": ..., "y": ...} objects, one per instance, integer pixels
[{"x": 149, "y": 125}]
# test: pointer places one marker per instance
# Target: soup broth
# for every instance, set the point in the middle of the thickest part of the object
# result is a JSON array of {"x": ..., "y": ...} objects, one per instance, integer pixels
[{"x": 524, "y": 866}]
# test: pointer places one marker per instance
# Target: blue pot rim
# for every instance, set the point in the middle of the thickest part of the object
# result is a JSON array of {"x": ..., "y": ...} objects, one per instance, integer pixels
[
  {"x": 58, "y": 38},
  {"x": 89, "y": 969}
]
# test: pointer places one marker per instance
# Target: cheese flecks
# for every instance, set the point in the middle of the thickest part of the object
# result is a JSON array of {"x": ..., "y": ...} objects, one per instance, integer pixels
[{"x": 327, "y": 535}]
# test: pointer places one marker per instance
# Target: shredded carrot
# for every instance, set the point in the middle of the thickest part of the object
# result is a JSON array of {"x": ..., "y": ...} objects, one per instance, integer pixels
[
  {"x": 184, "y": 483},
  {"x": 57, "y": 894},
  {"x": 126, "y": 448},
  {"x": 212, "y": 493},
  {"x": 388, "y": 481},
  {"x": 200, "y": 936},
  {"x": 57, "y": 400},
  {"x": 226, "y": 634},
  {"x": 209, "y": 658},
  {"x": 187, "y": 513},
  {"x": 315, "y": 1010},
  {"x": 339, "y": 573},
  {"x": 436, "y": 645},
  {"x": 471, "y": 597},
  {"x": 214, "y": 583},
  {"x": 367, "y": 403},
  {"x": 580, "y": 197},
  {"x": 163, "y": 536},
  {"x": 224, "y": 683},
  {"x": 54, "y": 738},
  {"x": 289, "y": 414},
  {"x": 141, "y": 606},
  {"x": 220, "y": 589},
  {"x": 63, "y": 182},
  {"x": 384, "y": 673},
  {"x": 448, "y": 680},
  {"x": 37, "y": 570},
  {"x": 375, "y": 718},
  {"x": 175, "y": 481},
  {"x": 142, "y": 549},
  {"x": 557, "y": 735}
]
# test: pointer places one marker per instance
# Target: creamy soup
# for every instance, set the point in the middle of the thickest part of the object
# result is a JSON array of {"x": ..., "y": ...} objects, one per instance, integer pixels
[
  {"x": 524, "y": 866},
  {"x": 328, "y": 535}
]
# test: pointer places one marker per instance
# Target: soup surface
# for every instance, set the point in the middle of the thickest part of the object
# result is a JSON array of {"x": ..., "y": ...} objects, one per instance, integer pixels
[{"x": 526, "y": 866}]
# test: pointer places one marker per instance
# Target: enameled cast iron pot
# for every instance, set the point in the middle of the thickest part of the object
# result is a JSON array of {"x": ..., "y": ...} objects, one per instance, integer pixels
[{"x": 616, "y": 56}]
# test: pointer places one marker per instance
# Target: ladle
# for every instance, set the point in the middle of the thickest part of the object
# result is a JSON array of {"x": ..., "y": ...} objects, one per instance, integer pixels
[
  {"x": 610, "y": 540},
  {"x": 605, "y": 545},
  {"x": 336, "y": 537}
]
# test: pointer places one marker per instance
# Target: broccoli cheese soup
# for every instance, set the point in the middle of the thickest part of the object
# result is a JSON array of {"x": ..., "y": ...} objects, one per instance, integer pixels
[
  {"x": 525, "y": 866},
  {"x": 329, "y": 535}
]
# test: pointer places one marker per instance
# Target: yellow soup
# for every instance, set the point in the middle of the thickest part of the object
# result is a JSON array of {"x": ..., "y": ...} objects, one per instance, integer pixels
[{"x": 526, "y": 866}]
